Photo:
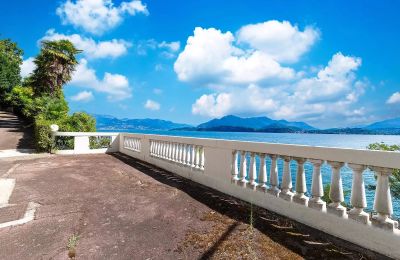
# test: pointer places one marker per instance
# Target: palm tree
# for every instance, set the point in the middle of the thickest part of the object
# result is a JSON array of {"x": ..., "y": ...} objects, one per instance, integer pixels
[{"x": 54, "y": 67}]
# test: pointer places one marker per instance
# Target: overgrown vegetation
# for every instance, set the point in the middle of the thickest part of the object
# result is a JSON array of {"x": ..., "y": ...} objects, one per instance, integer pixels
[
  {"x": 394, "y": 179},
  {"x": 39, "y": 98},
  {"x": 71, "y": 246}
]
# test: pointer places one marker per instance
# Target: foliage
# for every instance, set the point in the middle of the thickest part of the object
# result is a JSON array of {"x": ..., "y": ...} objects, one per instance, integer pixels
[
  {"x": 21, "y": 99},
  {"x": 394, "y": 179},
  {"x": 96, "y": 142},
  {"x": 325, "y": 197},
  {"x": 10, "y": 62},
  {"x": 54, "y": 67}
]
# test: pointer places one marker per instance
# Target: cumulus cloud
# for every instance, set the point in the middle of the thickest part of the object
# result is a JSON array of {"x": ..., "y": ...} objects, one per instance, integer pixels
[
  {"x": 211, "y": 57},
  {"x": 27, "y": 67},
  {"x": 394, "y": 99},
  {"x": 152, "y": 105},
  {"x": 115, "y": 85},
  {"x": 98, "y": 16},
  {"x": 92, "y": 49},
  {"x": 330, "y": 94},
  {"x": 283, "y": 41},
  {"x": 83, "y": 96}
]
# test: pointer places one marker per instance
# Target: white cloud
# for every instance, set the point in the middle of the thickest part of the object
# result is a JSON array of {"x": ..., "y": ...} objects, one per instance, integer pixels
[
  {"x": 152, "y": 105},
  {"x": 281, "y": 40},
  {"x": 97, "y": 16},
  {"x": 211, "y": 57},
  {"x": 332, "y": 93},
  {"x": 169, "y": 49},
  {"x": 394, "y": 99},
  {"x": 83, "y": 96},
  {"x": 27, "y": 67},
  {"x": 115, "y": 85},
  {"x": 92, "y": 49}
]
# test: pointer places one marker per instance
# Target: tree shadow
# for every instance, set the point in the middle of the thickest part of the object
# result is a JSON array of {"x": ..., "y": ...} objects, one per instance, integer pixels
[{"x": 299, "y": 238}]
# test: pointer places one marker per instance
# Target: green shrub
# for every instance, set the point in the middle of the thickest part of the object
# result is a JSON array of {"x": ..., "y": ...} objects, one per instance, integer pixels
[
  {"x": 21, "y": 99},
  {"x": 43, "y": 140}
]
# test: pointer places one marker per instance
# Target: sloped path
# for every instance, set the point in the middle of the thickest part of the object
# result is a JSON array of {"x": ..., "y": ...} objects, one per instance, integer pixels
[{"x": 15, "y": 134}]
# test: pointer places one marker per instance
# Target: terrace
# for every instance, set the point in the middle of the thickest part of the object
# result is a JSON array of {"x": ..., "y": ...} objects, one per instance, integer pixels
[{"x": 163, "y": 197}]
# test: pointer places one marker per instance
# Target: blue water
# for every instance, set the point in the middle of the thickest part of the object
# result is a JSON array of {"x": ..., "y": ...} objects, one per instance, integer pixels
[{"x": 344, "y": 141}]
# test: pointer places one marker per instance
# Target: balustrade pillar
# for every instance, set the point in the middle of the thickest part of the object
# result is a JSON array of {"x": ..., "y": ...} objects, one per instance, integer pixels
[
  {"x": 193, "y": 157},
  {"x": 252, "y": 172},
  {"x": 358, "y": 199},
  {"x": 262, "y": 174},
  {"x": 336, "y": 191},
  {"x": 273, "y": 177},
  {"x": 197, "y": 157},
  {"x": 243, "y": 169},
  {"x": 203, "y": 163},
  {"x": 301, "y": 187},
  {"x": 180, "y": 150},
  {"x": 383, "y": 200},
  {"x": 184, "y": 148},
  {"x": 317, "y": 189},
  {"x": 234, "y": 170},
  {"x": 286, "y": 192}
]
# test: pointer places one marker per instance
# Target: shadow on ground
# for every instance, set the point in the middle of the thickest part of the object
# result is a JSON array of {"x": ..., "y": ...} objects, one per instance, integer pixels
[
  {"x": 301, "y": 239},
  {"x": 15, "y": 133}
]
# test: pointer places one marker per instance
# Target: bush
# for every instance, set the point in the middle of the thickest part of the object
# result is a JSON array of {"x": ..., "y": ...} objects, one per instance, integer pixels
[{"x": 21, "y": 99}]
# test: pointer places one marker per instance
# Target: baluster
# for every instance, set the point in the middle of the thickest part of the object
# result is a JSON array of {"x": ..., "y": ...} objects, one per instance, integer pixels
[
  {"x": 180, "y": 150},
  {"x": 301, "y": 187},
  {"x": 200, "y": 151},
  {"x": 253, "y": 171},
  {"x": 262, "y": 174},
  {"x": 383, "y": 201},
  {"x": 169, "y": 151},
  {"x": 162, "y": 149},
  {"x": 286, "y": 192},
  {"x": 193, "y": 157},
  {"x": 336, "y": 191},
  {"x": 197, "y": 157},
  {"x": 273, "y": 176},
  {"x": 317, "y": 190},
  {"x": 234, "y": 170},
  {"x": 175, "y": 154},
  {"x": 156, "y": 149},
  {"x": 358, "y": 199},
  {"x": 159, "y": 149},
  {"x": 188, "y": 154},
  {"x": 243, "y": 169},
  {"x": 183, "y": 158},
  {"x": 203, "y": 163}
]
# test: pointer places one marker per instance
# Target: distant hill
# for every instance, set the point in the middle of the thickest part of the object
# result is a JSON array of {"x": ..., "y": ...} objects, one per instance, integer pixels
[
  {"x": 255, "y": 123},
  {"x": 386, "y": 124},
  {"x": 105, "y": 122}
]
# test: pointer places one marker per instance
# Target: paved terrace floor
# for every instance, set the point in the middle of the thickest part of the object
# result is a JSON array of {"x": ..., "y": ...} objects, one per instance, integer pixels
[
  {"x": 122, "y": 208},
  {"x": 14, "y": 132}
]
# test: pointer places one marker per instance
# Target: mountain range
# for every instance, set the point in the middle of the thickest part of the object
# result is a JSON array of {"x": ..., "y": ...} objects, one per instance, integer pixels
[
  {"x": 105, "y": 122},
  {"x": 233, "y": 123}
]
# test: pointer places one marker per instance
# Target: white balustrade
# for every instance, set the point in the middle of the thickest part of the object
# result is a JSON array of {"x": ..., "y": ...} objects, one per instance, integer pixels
[{"x": 225, "y": 167}]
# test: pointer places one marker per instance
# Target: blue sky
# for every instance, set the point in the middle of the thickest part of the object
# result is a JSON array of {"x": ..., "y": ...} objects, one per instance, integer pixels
[{"x": 328, "y": 63}]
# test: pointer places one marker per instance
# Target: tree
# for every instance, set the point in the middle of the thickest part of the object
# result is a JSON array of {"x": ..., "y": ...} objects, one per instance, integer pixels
[
  {"x": 394, "y": 179},
  {"x": 10, "y": 62},
  {"x": 54, "y": 67}
]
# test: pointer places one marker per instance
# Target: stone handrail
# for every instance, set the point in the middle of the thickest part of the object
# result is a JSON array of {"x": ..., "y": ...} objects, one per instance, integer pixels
[{"x": 240, "y": 169}]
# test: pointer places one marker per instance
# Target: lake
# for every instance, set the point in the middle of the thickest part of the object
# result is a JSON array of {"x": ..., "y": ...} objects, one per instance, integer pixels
[{"x": 328, "y": 140}]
